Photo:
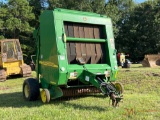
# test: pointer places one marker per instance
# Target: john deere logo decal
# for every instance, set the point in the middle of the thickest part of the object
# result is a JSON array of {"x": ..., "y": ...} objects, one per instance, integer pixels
[
  {"x": 84, "y": 18},
  {"x": 112, "y": 43}
]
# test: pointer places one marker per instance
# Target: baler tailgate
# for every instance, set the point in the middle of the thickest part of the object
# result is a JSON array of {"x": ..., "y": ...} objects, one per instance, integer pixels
[{"x": 90, "y": 52}]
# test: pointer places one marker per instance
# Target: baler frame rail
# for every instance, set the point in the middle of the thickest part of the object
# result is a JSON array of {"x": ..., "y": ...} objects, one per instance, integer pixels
[
  {"x": 108, "y": 89},
  {"x": 71, "y": 39}
]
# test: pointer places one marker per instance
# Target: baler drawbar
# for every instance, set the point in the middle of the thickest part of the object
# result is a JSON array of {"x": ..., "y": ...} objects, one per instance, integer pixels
[{"x": 75, "y": 55}]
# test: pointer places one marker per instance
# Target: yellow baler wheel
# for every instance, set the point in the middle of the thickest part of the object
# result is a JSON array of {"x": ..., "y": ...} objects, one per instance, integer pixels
[
  {"x": 45, "y": 96},
  {"x": 119, "y": 87},
  {"x": 26, "y": 90}
]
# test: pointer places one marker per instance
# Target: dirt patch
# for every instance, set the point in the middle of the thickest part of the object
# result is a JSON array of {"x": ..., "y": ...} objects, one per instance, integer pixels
[
  {"x": 4, "y": 88},
  {"x": 152, "y": 74},
  {"x": 156, "y": 74},
  {"x": 127, "y": 70}
]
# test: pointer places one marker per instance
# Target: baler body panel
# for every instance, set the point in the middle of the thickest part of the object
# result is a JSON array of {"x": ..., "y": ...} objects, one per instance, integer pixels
[
  {"x": 48, "y": 57},
  {"x": 61, "y": 32}
]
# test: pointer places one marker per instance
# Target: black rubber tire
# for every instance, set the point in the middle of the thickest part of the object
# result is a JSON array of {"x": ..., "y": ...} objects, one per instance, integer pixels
[
  {"x": 128, "y": 65},
  {"x": 33, "y": 89}
]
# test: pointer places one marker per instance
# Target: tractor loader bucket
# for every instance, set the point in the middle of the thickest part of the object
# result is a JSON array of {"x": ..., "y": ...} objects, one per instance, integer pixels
[{"x": 151, "y": 60}]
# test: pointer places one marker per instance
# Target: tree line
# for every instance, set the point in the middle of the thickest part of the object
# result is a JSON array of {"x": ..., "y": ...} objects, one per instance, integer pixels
[{"x": 136, "y": 26}]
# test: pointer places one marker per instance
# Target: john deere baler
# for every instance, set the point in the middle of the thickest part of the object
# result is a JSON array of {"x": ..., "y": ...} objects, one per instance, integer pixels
[{"x": 75, "y": 55}]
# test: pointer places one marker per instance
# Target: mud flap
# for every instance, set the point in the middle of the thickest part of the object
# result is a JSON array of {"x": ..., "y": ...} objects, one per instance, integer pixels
[
  {"x": 78, "y": 45},
  {"x": 88, "y": 52},
  {"x": 88, "y": 47},
  {"x": 98, "y": 46},
  {"x": 55, "y": 92}
]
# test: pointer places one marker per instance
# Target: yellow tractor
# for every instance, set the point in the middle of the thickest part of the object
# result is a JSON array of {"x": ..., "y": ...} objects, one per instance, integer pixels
[{"x": 11, "y": 59}]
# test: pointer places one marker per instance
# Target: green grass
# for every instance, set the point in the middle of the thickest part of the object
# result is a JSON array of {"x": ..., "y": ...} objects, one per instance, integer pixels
[{"x": 141, "y": 101}]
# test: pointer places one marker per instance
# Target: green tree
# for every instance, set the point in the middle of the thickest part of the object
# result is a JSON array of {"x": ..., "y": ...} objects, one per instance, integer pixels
[
  {"x": 97, "y": 6},
  {"x": 118, "y": 11},
  {"x": 3, "y": 13},
  {"x": 55, "y": 4},
  {"x": 19, "y": 13},
  {"x": 139, "y": 34},
  {"x": 16, "y": 16},
  {"x": 38, "y": 6}
]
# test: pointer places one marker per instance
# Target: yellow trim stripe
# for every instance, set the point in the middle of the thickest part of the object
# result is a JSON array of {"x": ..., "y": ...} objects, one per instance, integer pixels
[
  {"x": 116, "y": 74},
  {"x": 47, "y": 63}
]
